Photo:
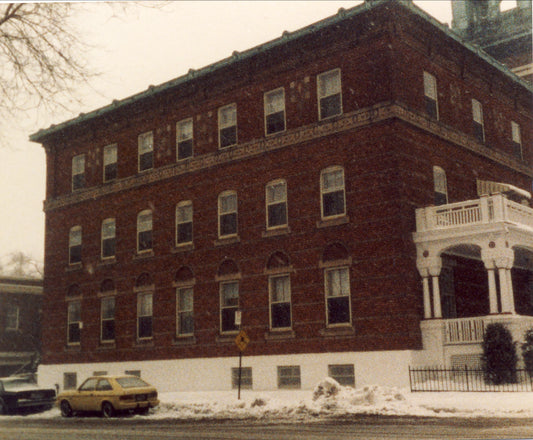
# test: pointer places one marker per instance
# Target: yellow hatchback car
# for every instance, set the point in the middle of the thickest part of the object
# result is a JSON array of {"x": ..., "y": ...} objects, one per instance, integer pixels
[{"x": 109, "y": 395}]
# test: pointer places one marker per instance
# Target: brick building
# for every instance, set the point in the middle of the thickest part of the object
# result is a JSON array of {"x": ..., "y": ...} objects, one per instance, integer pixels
[
  {"x": 20, "y": 317},
  {"x": 357, "y": 189}
]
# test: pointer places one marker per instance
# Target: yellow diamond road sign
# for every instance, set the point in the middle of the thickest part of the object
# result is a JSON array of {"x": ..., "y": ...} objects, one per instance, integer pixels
[{"x": 242, "y": 340}]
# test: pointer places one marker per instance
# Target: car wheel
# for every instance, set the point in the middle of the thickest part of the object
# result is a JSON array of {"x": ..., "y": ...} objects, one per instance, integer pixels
[
  {"x": 107, "y": 410},
  {"x": 3, "y": 407},
  {"x": 143, "y": 411},
  {"x": 66, "y": 409}
]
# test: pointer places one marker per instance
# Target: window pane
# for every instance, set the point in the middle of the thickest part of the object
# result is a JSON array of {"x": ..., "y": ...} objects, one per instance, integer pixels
[
  {"x": 184, "y": 130},
  {"x": 110, "y": 154},
  {"x": 330, "y": 106},
  {"x": 228, "y": 136},
  {"x": 329, "y": 83},
  {"x": 274, "y": 102},
  {"x": 145, "y": 327},
  {"x": 228, "y": 203},
  {"x": 186, "y": 325},
  {"x": 185, "y": 299},
  {"x": 277, "y": 215},
  {"x": 145, "y": 161},
  {"x": 144, "y": 221},
  {"x": 332, "y": 180},
  {"x": 338, "y": 310},
  {"x": 276, "y": 192},
  {"x": 145, "y": 305},
  {"x": 430, "y": 86},
  {"x": 280, "y": 289},
  {"x": 230, "y": 294},
  {"x": 75, "y": 236},
  {"x": 146, "y": 143},
  {"x": 145, "y": 240},
  {"x": 78, "y": 164},
  {"x": 108, "y": 228},
  {"x": 184, "y": 233},
  {"x": 227, "y": 116},
  {"x": 108, "y": 330},
  {"x": 184, "y": 213},
  {"x": 333, "y": 203},
  {"x": 228, "y": 224},
  {"x": 110, "y": 172},
  {"x": 108, "y": 308},
  {"x": 185, "y": 149},
  {"x": 281, "y": 315}
]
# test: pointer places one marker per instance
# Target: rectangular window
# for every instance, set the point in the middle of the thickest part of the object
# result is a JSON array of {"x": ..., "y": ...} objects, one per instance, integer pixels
[
  {"x": 342, "y": 373},
  {"x": 289, "y": 377},
  {"x": 100, "y": 373},
  {"x": 107, "y": 311},
  {"x": 184, "y": 313},
  {"x": 276, "y": 199},
  {"x": 110, "y": 162},
  {"x": 227, "y": 214},
  {"x": 227, "y": 126},
  {"x": 12, "y": 317},
  {"x": 133, "y": 373},
  {"x": 184, "y": 139},
  {"x": 517, "y": 140},
  {"x": 184, "y": 223},
  {"x": 74, "y": 245},
  {"x": 144, "y": 316},
  {"x": 477, "y": 117},
  {"x": 338, "y": 296},
  {"x": 431, "y": 97},
  {"x": 275, "y": 111},
  {"x": 246, "y": 378},
  {"x": 146, "y": 151},
  {"x": 280, "y": 301},
  {"x": 108, "y": 238},
  {"x": 440, "y": 186},
  {"x": 332, "y": 189},
  {"x": 144, "y": 231},
  {"x": 74, "y": 322},
  {"x": 70, "y": 381},
  {"x": 78, "y": 172},
  {"x": 229, "y": 304},
  {"x": 329, "y": 94}
]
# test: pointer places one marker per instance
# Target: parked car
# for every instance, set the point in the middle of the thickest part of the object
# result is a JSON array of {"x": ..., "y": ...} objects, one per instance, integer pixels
[
  {"x": 19, "y": 393},
  {"x": 109, "y": 395}
]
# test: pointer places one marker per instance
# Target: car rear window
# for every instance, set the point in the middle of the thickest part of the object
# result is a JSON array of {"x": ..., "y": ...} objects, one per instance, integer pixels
[
  {"x": 131, "y": 382},
  {"x": 18, "y": 384}
]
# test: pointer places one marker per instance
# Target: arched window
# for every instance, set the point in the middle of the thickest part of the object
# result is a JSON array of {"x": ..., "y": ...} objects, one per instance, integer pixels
[
  {"x": 144, "y": 231},
  {"x": 440, "y": 186}
]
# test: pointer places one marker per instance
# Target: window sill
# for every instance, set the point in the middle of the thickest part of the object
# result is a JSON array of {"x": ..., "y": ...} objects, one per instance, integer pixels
[
  {"x": 226, "y": 241},
  {"x": 107, "y": 261},
  {"x": 148, "y": 342},
  {"x": 276, "y": 232},
  {"x": 111, "y": 345},
  {"x": 276, "y": 335},
  {"x": 73, "y": 347},
  {"x": 143, "y": 255},
  {"x": 344, "y": 330},
  {"x": 227, "y": 338},
  {"x": 185, "y": 247},
  {"x": 184, "y": 340},
  {"x": 74, "y": 267},
  {"x": 326, "y": 223}
]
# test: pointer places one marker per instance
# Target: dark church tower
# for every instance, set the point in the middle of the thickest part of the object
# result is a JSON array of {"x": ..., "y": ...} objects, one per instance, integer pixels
[{"x": 505, "y": 35}]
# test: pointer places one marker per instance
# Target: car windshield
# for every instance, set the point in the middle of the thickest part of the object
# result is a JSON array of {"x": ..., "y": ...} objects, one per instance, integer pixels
[
  {"x": 131, "y": 382},
  {"x": 19, "y": 383}
]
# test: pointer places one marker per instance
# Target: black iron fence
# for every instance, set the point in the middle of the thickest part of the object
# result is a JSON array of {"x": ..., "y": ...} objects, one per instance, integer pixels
[{"x": 464, "y": 379}]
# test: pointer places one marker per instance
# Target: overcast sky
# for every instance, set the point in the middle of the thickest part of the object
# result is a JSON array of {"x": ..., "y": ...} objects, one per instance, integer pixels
[{"x": 147, "y": 46}]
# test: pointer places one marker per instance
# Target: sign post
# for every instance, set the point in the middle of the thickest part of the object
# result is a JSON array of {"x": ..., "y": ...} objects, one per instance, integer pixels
[{"x": 241, "y": 341}]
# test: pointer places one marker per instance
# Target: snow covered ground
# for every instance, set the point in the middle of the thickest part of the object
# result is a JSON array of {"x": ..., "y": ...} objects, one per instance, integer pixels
[{"x": 331, "y": 400}]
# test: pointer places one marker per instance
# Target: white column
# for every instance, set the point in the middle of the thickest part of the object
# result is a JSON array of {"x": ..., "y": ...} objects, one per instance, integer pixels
[
  {"x": 427, "y": 298},
  {"x": 509, "y": 296},
  {"x": 437, "y": 311},
  {"x": 493, "y": 296}
]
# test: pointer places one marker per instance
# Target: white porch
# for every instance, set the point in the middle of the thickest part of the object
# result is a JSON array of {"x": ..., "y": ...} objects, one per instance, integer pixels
[{"x": 488, "y": 244}]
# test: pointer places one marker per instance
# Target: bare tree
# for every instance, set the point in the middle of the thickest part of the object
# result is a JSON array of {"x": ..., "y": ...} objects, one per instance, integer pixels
[
  {"x": 40, "y": 54},
  {"x": 19, "y": 264}
]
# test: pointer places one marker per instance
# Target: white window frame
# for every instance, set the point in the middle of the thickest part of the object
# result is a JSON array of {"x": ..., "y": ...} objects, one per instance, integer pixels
[
  {"x": 345, "y": 378},
  {"x": 295, "y": 376},
  {"x": 225, "y": 124},
  {"x": 516, "y": 137},
  {"x": 183, "y": 136},
  {"x": 180, "y": 311},
  {"x": 269, "y": 109},
  {"x": 272, "y": 302},
  {"x": 322, "y": 94},
  {"x": 328, "y": 295},
  {"x": 104, "y": 319},
  {"x": 477, "y": 118},
  {"x": 110, "y": 158},
  {"x": 224, "y": 305},
  {"x": 145, "y": 314},
  {"x": 270, "y": 200},
  {"x": 430, "y": 91},
  {"x": 246, "y": 378},
  {"x": 228, "y": 211},
  {"x": 74, "y": 240},
  {"x": 145, "y": 146},
  {"x": 324, "y": 191},
  {"x": 73, "y": 322},
  {"x": 142, "y": 226},
  {"x": 181, "y": 221},
  {"x": 78, "y": 169},
  {"x": 12, "y": 317},
  {"x": 106, "y": 235}
]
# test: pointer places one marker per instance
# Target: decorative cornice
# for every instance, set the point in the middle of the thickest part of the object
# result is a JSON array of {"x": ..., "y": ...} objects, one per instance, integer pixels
[{"x": 351, "y": 121}]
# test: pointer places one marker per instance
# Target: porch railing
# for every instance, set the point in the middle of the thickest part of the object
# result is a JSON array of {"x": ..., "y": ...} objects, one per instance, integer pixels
[
  {"x": 464, "y": 379},
  {"x": 485, "y": 210},
  {"x": 464, "y": 330}
]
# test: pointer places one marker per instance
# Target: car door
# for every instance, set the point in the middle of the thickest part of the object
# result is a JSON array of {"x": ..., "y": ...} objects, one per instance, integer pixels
[
  {"x": 103, "y": 391},
  {"x": 83, "y": 399}
]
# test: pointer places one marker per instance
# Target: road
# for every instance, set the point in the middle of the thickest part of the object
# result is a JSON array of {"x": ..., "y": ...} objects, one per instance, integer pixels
[{"x": 360, "y": 427}]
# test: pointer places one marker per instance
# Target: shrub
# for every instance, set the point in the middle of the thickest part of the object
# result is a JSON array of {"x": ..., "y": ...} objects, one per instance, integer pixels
[
  {"x": 499, "y": 355},
  {"x": 527, "y": 351}
]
